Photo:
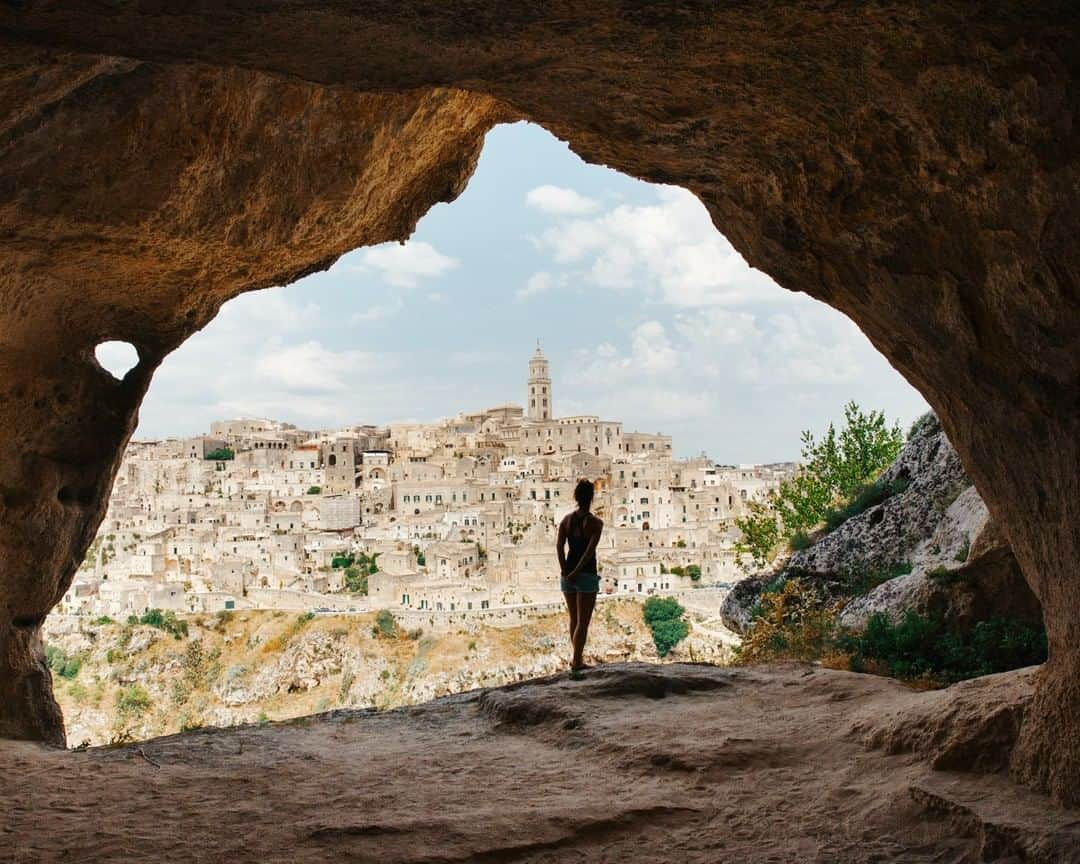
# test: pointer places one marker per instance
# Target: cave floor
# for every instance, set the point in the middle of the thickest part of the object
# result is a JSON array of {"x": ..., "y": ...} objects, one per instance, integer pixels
[{"x": 680, "y": 763}]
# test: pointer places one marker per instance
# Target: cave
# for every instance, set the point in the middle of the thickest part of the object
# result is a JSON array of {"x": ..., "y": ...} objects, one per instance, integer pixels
[{"x": 915, "y": 166}]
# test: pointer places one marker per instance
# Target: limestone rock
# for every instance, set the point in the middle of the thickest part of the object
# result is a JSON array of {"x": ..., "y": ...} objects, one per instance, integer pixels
[
  {"x": 961, "y": 567},
  {"x": 970, "y": 726}
]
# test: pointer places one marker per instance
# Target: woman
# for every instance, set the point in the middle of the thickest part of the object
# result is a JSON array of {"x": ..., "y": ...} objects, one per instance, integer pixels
[{"x": 580, "y": 531}]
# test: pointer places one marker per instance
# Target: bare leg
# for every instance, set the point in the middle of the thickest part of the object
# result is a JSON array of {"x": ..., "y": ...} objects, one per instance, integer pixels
[
  {"x": 571, "y": 606},
  {"x": 585, "y": 605}
]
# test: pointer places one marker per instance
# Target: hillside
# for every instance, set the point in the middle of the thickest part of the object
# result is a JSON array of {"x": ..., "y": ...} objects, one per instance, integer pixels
[{"x": 119, "y": 682}]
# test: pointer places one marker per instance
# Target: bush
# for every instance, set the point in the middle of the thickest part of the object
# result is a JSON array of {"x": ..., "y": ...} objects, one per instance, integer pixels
[
  {"x": 166, "y": 621},
  {"x": 664, "y": 617},
  {"x": 61, "y": 663},
  {"x": 922, "y": 424},
  {"x": 799, "y": 541},
  {"x": 339, "y": 561},
  {"x": 694, "y": 572},
  {"x": 355, "y": 581},
  {"x": 790, "y": 620},
  {"x": 868, "y": 496},
  {"x": 386, "y": 626},
  {"x": 314, "y": 490},
  {"x": 919, "y": 647},
  {"x": 132, "y": 701},
  {"x": 221, "y": 454},
  {"x": 102, "y": 621}
]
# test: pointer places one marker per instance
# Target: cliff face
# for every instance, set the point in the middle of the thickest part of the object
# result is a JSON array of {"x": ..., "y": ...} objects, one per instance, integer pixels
[
  {"x": 131, "y": 682},
  {"x": 914, "y": 165},
  {"x": 634, "y": 763},
  {"x": 957, "y": 566}
]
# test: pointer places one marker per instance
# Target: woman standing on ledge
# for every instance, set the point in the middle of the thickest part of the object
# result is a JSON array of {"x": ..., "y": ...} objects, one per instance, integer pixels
[{"x": 580, "y": 581}]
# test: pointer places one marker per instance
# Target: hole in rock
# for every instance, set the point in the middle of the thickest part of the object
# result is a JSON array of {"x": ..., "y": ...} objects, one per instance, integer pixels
[
  {"x": 345, "y": 490},
  {"x": 117, "y": 358}
]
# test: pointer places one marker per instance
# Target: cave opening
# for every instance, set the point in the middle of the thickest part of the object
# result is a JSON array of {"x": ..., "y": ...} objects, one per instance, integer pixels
[
  {"x": 116, "y": 357},
  {"x": 651, "y": 321},
  {"x": 922, "y": 181}
]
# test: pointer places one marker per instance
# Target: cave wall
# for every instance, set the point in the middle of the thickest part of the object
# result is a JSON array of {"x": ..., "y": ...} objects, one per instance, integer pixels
[{"x": 913, "y": 165}]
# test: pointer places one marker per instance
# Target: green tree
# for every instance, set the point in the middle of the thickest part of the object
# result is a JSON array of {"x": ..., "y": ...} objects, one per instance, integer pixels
[
  {"x": 664, "y": 617},
  {"x": 760, "y": 532},
  {"x": 356, "y": 581},
  {"x": 835, "y": 472},
  {"x": 221, "y": 454}
]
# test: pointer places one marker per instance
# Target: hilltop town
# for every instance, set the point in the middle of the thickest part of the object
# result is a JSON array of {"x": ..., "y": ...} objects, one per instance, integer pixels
[{"x": 439, "y": 522}]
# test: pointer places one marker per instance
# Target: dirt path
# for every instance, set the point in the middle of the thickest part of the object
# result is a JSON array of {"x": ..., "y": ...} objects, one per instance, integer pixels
[{"x": 633, "y": 763}]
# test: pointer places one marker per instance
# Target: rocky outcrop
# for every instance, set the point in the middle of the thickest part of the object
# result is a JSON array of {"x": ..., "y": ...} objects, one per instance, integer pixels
[
  {"x": 914, "y": 165},
  {"x": 957, "y": 565},
  {"x": 971, "y": 726}
]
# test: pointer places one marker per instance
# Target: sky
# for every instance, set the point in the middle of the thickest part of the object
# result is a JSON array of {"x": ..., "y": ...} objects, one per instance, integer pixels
[{"x": 645, "y": 312}]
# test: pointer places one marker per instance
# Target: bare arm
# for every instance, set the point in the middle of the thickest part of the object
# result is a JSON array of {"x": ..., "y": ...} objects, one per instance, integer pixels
[{"x": 560, "y": 547}]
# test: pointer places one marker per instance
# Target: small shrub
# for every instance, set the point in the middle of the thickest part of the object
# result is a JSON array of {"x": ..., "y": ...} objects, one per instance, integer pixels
[
  {"x": 922, "y": 424},
  {"x": 132, "y": 701},
  {"x": 962, "y": 553},
  {"x": 303, "y": 619},
  {"x": 61, "y": 663},
  {"x": 792, "y": 621},
  {"x": 166, "y": 621},
  {"x": 942, "y": 575},
  {"x": 314, "y": 490},
  {"x": 694, "y": 572},
  {"x": 920, "y": 647},
  {"x": 386, "y": 626},
  {"x": 867, "y": 496},
  {"x": 102, "y": 621},
  {"x": 664, "y": 617},
  {"x": 799, "y": 541}
]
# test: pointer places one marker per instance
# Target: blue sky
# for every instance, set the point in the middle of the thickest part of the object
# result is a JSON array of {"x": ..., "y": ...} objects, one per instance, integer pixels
[{"x": 645, "y": 311}]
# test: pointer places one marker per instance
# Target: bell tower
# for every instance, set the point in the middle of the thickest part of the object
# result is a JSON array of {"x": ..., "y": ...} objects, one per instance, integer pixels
[{"x": 539, "y": 404}]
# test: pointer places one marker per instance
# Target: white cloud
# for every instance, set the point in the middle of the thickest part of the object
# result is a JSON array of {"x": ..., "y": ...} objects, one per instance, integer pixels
[
  {"x": 538, "y": 283},
  {"x": 378, "y": 312},
  {"x": 669, "y": 250},
  {"x": 406, "y": 265},
  {"x": 560, "y": 201},
  {"x": 309, "y": 367}
]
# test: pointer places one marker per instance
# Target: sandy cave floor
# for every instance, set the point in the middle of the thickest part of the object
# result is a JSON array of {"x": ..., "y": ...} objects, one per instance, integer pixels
[{"x": 680, "y": 763}]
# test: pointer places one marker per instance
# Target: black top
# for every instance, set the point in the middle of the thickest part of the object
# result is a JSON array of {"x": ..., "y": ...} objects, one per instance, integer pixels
[{"x": 578, "y": 541}]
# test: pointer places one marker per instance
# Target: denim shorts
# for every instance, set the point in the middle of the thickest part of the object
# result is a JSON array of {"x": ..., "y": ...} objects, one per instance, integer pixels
[{"x": 583, "y": 583}]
